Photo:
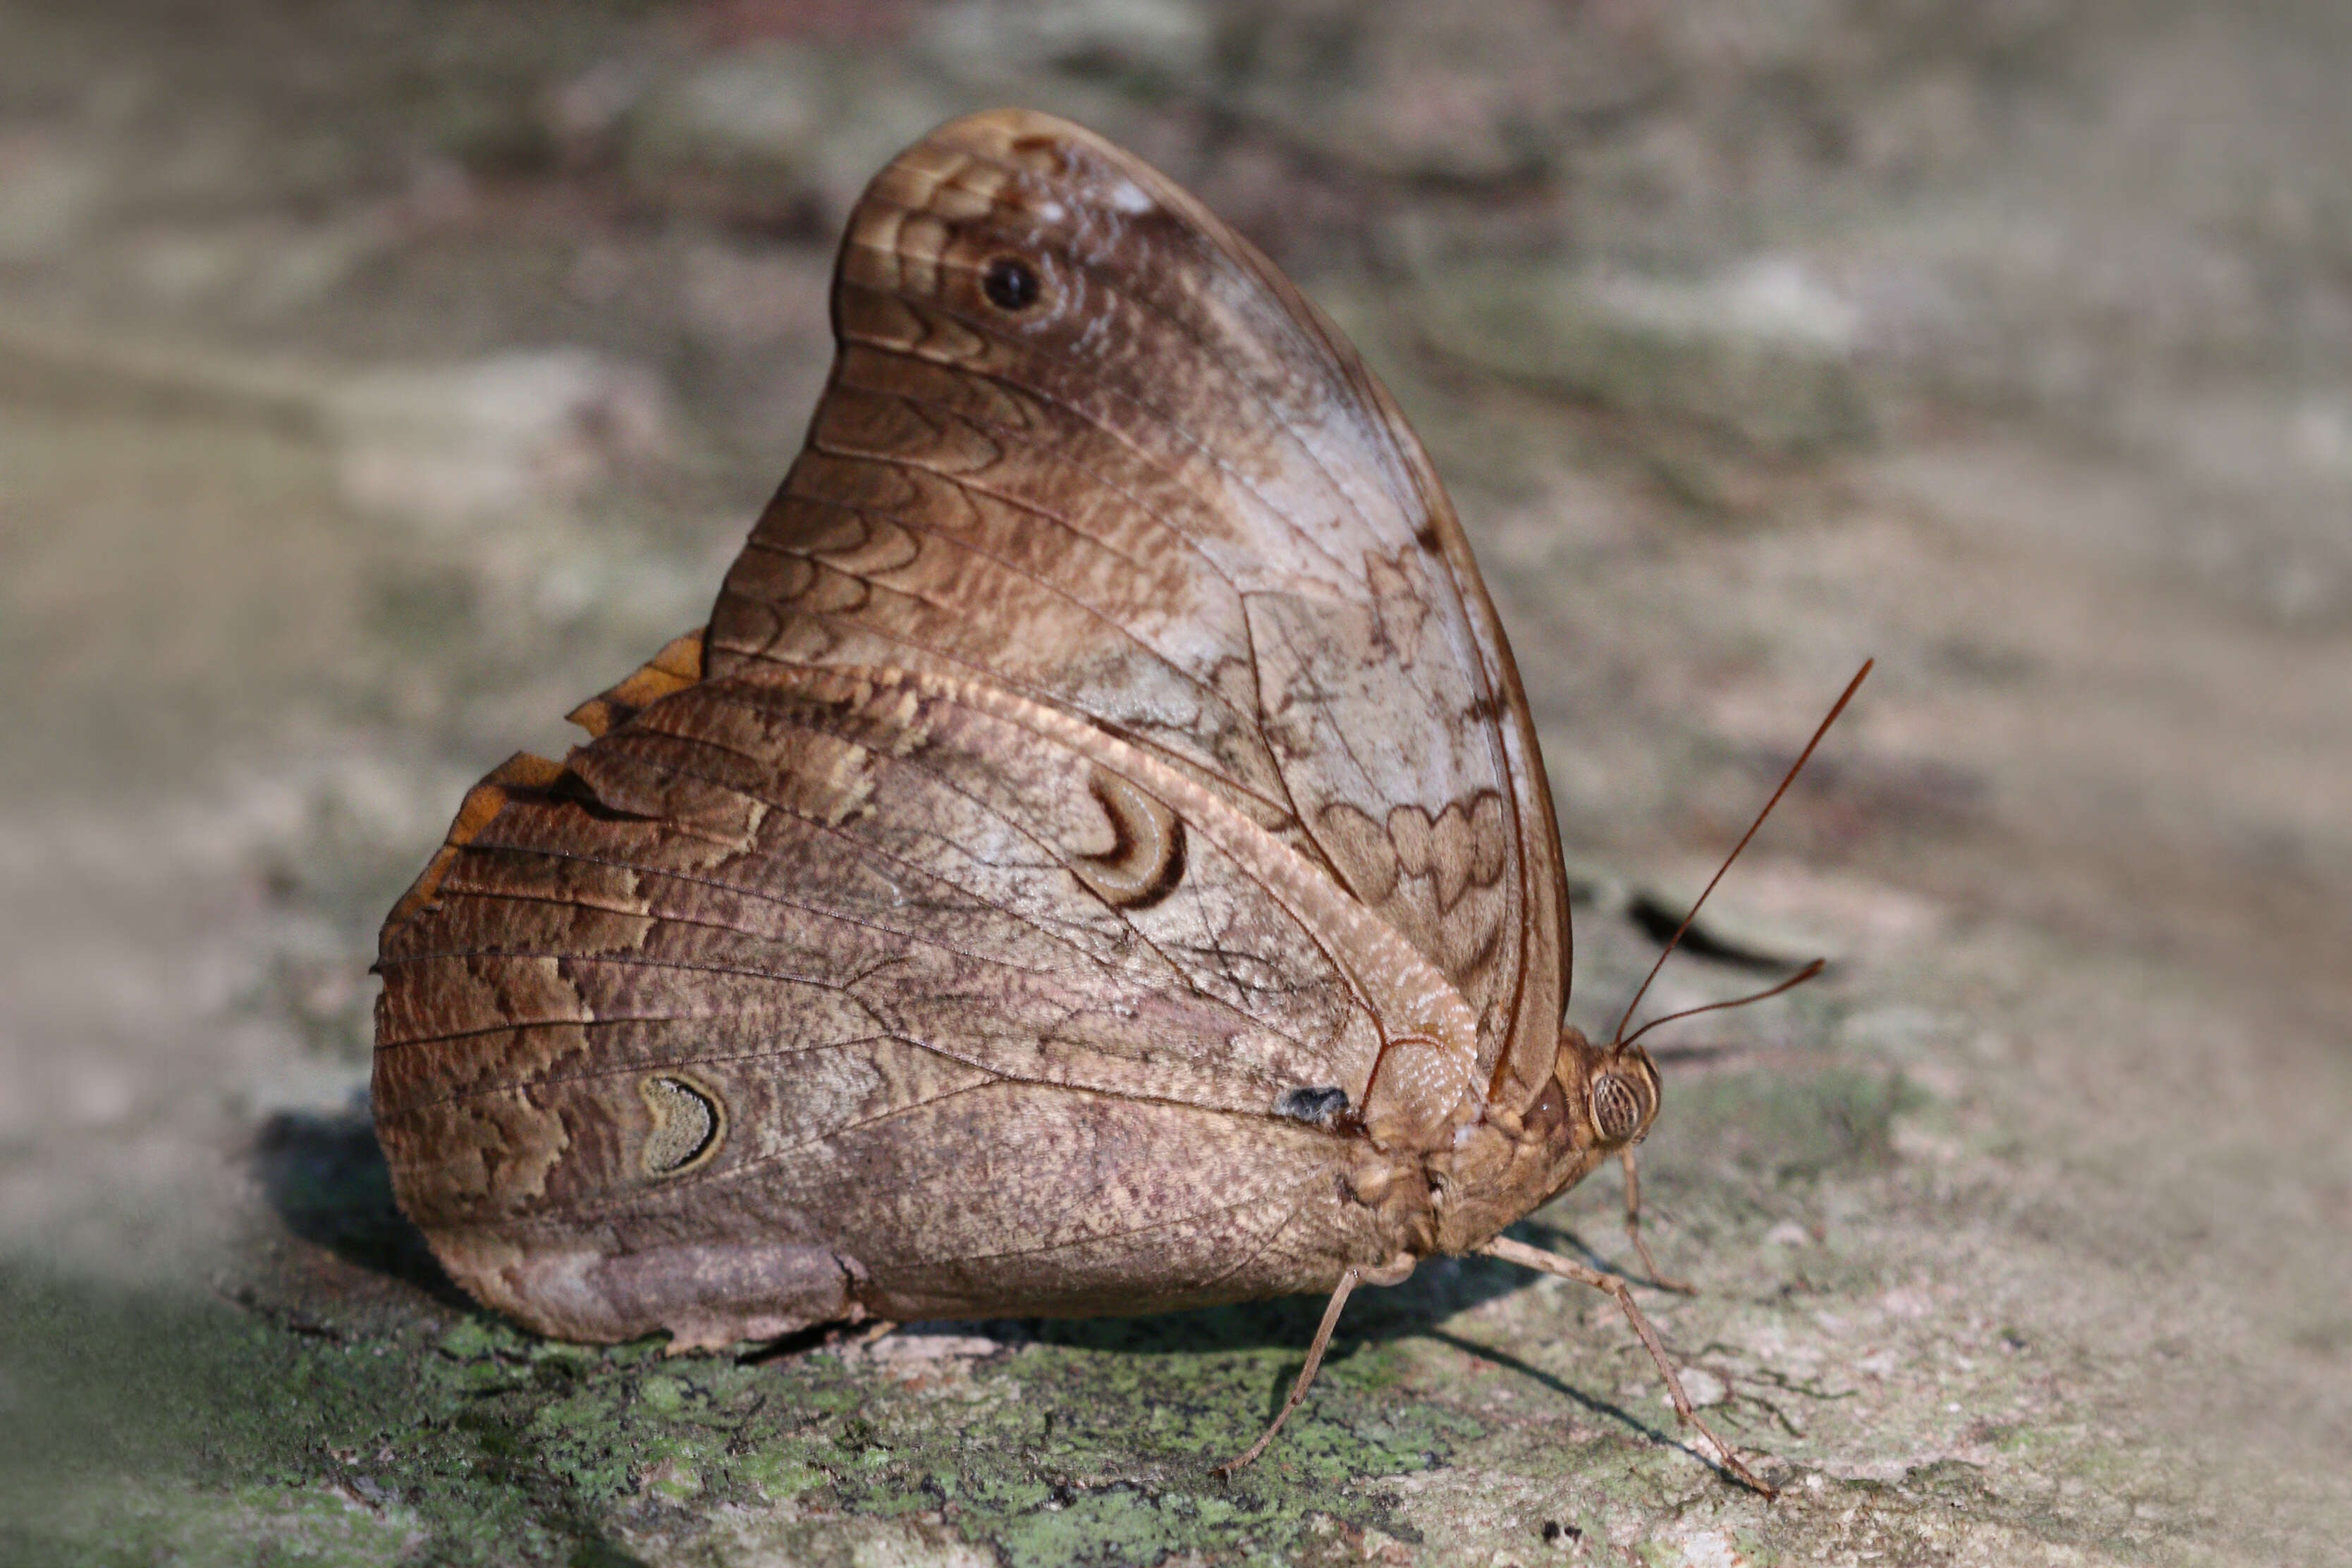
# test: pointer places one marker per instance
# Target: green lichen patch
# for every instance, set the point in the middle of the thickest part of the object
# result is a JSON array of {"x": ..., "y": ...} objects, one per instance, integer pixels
[
  {"x": 1091, "y": 1442},
  {"x": 208, "y": 1425},
  {"x": 206, "y": 1421}
]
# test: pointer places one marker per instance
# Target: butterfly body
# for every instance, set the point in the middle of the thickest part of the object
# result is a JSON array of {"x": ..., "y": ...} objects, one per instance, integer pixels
[{"x": 1095, "y": 860}]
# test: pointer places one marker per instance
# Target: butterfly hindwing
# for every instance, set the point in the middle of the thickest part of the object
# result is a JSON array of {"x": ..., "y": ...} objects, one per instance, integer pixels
[{"x": 731, "y": 972}]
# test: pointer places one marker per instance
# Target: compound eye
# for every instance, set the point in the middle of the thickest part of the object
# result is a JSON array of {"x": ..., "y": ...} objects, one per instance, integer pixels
[{"x": 1616, "y": 1108}]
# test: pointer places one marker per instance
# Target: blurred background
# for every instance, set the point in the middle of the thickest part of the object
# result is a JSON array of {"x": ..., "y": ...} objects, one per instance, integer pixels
[{"x": 377, "y": 380}]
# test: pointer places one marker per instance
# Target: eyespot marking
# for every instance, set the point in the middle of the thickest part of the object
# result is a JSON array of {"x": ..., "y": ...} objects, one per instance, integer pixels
[
  {"x": 1010, "y": 284},
  {"x": 1147, "y": 855},
  {"x": 688, "y": 1124},
  {"x": 1316, "y": 1107}
]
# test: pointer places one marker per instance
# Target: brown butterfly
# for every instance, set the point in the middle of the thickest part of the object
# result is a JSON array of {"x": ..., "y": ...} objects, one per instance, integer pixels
[{"x": 1095, "y": 860}]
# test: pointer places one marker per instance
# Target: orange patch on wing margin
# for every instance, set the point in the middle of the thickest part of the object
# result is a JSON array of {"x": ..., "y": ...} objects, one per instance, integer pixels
[
  {"x": 482, "y": 802},
  {"x": 676, "y": 668}
]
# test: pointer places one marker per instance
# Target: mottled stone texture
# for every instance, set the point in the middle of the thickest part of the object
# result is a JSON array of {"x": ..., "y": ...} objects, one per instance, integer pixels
[{"x": 2011, "y": 344}]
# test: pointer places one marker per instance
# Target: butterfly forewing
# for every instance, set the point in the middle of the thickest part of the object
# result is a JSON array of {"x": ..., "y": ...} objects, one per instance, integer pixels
[{"x": 1161, "y": 492}]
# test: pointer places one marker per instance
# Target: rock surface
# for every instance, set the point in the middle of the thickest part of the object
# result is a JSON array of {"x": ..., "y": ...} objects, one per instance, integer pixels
[{"x": 2009, "y": 344}]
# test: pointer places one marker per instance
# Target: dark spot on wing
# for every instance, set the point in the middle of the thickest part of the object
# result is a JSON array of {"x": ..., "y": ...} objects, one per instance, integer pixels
[
  {"x": 1316, "y": 1107},
  {"x": 1010, "y": 284}
]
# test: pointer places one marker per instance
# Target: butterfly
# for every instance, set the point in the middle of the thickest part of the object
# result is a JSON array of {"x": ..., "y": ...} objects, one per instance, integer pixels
[{"x": 1094, "y": 859}]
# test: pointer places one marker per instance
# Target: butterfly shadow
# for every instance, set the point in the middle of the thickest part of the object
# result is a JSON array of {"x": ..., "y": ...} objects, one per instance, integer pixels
[
  {"x": 323, "y": 1174},
  {"x": 1592, "y": 1403},
  {"x": 1568, "y": 1243},
  {"x": 1439, "y": 1289},
  {"x": 1419, "y": 1308}
]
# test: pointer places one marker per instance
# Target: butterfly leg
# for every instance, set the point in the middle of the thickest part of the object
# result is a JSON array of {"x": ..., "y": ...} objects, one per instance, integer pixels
[
  {"x": 1633, "y": 1230},
  {"x": 1394, "y": 1272},
  {"x": 1528, "y": 1257}
]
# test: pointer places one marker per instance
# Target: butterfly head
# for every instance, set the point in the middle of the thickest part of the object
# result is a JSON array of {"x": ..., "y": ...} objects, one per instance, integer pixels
[
  {"x": 1618, "y": 1085},
  {"x": 1597, "y": 1101}
]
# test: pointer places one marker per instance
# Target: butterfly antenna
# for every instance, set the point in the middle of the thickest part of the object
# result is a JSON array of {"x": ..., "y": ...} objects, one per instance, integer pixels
[
  {"x": 1795, "y": 768},
  {"x": 1815, "y": 967}
]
